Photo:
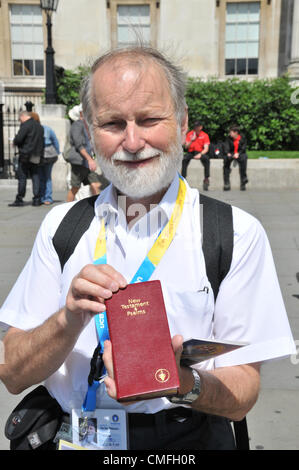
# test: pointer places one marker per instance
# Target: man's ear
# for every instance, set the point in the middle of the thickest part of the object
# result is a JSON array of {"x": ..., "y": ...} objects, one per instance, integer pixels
[{"x": 184, "y": 126}]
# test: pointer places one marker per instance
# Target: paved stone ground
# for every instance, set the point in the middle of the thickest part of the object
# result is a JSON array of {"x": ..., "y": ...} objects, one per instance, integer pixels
[{"x": 274, "y": 421}]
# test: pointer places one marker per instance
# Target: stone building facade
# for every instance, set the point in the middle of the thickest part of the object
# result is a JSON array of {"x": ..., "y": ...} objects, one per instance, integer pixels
[{"x": 220, "y": 38}]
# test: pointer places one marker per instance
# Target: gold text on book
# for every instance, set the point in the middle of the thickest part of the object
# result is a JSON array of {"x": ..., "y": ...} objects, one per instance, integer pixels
[{"x": 135, "y": 307}]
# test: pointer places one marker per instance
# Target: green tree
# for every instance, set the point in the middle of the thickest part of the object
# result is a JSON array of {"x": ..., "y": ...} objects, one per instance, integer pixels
[{"x": 68, "y": 86}]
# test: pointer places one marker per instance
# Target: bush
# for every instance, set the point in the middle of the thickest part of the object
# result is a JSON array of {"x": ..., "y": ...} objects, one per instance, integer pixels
[{"x": 262, "y": 108}]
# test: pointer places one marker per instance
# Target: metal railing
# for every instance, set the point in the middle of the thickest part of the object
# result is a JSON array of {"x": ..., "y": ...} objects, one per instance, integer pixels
[{"x": 9, "y": 126}]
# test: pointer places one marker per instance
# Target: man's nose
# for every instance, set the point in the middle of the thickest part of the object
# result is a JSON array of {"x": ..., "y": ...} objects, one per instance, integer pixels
[{"x": 133, "y": 138}]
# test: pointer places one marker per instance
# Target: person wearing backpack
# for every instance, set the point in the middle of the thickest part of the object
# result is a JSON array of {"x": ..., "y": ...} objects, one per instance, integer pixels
[{"x": 133, "y": 102}]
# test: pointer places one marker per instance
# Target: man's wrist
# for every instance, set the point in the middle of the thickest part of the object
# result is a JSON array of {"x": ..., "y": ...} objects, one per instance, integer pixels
[
  {"x": 70, "y": 322},
  {"x": 190, "y": 396}
]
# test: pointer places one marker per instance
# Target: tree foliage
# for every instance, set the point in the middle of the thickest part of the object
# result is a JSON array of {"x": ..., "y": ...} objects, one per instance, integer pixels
[{"x": 68, "y": 84}]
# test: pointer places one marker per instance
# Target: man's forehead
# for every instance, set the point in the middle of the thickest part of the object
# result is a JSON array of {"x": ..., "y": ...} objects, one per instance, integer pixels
[{"x": 123, "y": 72}]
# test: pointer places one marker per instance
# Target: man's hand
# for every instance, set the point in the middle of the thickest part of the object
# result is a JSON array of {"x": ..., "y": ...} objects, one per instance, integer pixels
[
  {"x": 236, "y": 155},
  {"x": 197, "y": 156},
  {"x": 92, "y": 164},
  {"x": 176, "y": 341},
  {"x": 88, "y": 292}
]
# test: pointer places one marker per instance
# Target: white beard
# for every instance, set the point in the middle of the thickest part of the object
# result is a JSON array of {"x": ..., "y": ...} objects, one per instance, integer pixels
[{"x": 145, "y": 181}]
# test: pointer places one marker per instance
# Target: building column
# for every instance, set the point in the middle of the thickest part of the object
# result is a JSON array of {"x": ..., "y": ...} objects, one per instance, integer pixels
[
  {"x": 53, "y": 115},
  {"x": 293, "y": 68}
]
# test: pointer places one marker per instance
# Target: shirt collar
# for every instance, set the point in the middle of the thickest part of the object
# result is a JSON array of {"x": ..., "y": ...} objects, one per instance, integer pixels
[{"x": 109, "y": 203}]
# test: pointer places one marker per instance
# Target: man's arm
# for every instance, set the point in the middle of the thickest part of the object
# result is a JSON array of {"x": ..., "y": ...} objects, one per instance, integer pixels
[
  {"x": 205, "y": 149},
  {"x": 228, "y": 391},
  {"x": 21, "y": 135},
  {"x": 54, "y": 141},
  {"x": 92, "y": 164},
  {"x": 203, "y": 152},
  {"x": 32, "y": 356},
  {"x": 189, "y": 140},
  {"x": 78, "y": 138}
]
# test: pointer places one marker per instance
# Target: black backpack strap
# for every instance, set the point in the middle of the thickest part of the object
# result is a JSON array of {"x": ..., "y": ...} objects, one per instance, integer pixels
[
  {"x": 72, "y": 227},
  {"x": 241, "y": 434},
  {"x": 217, "y": 244},
  {"x": 218, "y": 239}
]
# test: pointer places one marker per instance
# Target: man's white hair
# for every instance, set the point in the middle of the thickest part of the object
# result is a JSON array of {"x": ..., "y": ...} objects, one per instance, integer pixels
[{"x": 175, "y": 76}]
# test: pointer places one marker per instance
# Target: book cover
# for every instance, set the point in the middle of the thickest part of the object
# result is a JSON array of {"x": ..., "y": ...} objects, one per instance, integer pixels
[
  {"x": 143, "y": 358},
  {"x": 198, "y": 350}
]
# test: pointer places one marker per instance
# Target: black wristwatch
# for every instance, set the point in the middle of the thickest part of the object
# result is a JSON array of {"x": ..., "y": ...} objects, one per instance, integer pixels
[{"x": 191, "y": 396}]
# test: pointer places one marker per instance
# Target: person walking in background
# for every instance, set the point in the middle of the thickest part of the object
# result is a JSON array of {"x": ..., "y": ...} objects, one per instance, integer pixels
[
  {"x": 197, "y": 146},
  {"x": 30, "y": 141},
  {"x": 51, "y": 153},
  {"x": 235, "y": 151},
  {"x": 83, "y": 165}
]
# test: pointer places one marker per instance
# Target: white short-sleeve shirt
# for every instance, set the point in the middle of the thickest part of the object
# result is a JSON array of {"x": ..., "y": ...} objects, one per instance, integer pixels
[{"x": 249, "y": 306}]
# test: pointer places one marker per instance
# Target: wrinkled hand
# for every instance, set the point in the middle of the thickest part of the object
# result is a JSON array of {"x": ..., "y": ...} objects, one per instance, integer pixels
[
  {"x": 176, "y": 342},
  {"x": 197, "y": 156},
  {"x": 89, "y": 290}
]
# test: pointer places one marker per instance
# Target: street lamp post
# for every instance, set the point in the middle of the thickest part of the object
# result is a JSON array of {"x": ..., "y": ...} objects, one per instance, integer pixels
[{"x": 49, "y": 6}]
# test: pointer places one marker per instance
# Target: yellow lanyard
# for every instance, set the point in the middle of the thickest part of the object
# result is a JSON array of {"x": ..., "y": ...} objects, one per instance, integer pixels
[{"x": 160, "y": 245}]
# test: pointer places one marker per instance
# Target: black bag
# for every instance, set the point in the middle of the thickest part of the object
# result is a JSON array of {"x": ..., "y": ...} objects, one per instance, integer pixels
[
  {"x": 34, "y": 422},
  {"x": 216, "y": 150}
]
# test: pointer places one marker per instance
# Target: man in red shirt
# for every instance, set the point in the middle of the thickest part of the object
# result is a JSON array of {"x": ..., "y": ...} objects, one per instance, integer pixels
[
  {"x": 197, "y": 146},
  {"x": 235, "y": 151}
]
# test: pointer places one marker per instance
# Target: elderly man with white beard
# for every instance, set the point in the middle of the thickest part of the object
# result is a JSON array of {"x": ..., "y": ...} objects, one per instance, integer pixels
[{"x": 133, "y": 102}]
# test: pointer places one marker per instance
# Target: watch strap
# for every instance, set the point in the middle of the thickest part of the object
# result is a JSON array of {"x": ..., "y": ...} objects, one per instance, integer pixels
[{"x": 191, "y": 396}]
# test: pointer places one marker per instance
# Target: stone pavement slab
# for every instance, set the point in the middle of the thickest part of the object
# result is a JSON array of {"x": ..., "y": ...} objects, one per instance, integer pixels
[{"x": 274, "y": 421}]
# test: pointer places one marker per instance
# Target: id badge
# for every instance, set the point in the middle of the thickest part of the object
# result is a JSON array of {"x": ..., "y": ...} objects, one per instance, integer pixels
[{"x": 100, "y": 429}]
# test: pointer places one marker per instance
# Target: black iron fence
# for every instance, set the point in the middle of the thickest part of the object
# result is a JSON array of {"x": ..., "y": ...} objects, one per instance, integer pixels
[
  {"x": 9, "y": 126},
  {"x": 10, "y": 129}
]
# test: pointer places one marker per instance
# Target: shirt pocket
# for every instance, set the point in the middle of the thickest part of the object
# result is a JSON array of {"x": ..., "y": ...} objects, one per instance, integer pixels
[{"x": 190, "y": 312}]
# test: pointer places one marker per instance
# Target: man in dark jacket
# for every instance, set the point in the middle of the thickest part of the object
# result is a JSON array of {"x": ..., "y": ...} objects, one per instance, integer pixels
[
  {"x": 235, "y": 151},
  {"x": 30, "y": 141}
]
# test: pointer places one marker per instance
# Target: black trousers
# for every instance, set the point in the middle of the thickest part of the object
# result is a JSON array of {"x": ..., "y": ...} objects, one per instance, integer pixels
[
  {"x": 205, "y": 161},
  {"x": 180, "y": 429},
  {"x": 25, "y": 170},
  {"x": 242, "y": 162}
]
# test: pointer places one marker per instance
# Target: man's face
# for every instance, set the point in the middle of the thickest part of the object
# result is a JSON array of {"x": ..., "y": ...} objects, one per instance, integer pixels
[
  {"x": 22, "y": 118},
  {"x": 198, "y": 129},
  {"x": 135, "y": 131},
  {"x": 233, "y": 134}
]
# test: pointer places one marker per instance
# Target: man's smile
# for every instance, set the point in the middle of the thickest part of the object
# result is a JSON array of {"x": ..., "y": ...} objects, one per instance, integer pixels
[{"x": 141, "y": 162}]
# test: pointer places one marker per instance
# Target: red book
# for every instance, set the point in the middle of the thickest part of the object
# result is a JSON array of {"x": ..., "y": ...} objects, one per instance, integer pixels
[{"x": 143, "y": 358}]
